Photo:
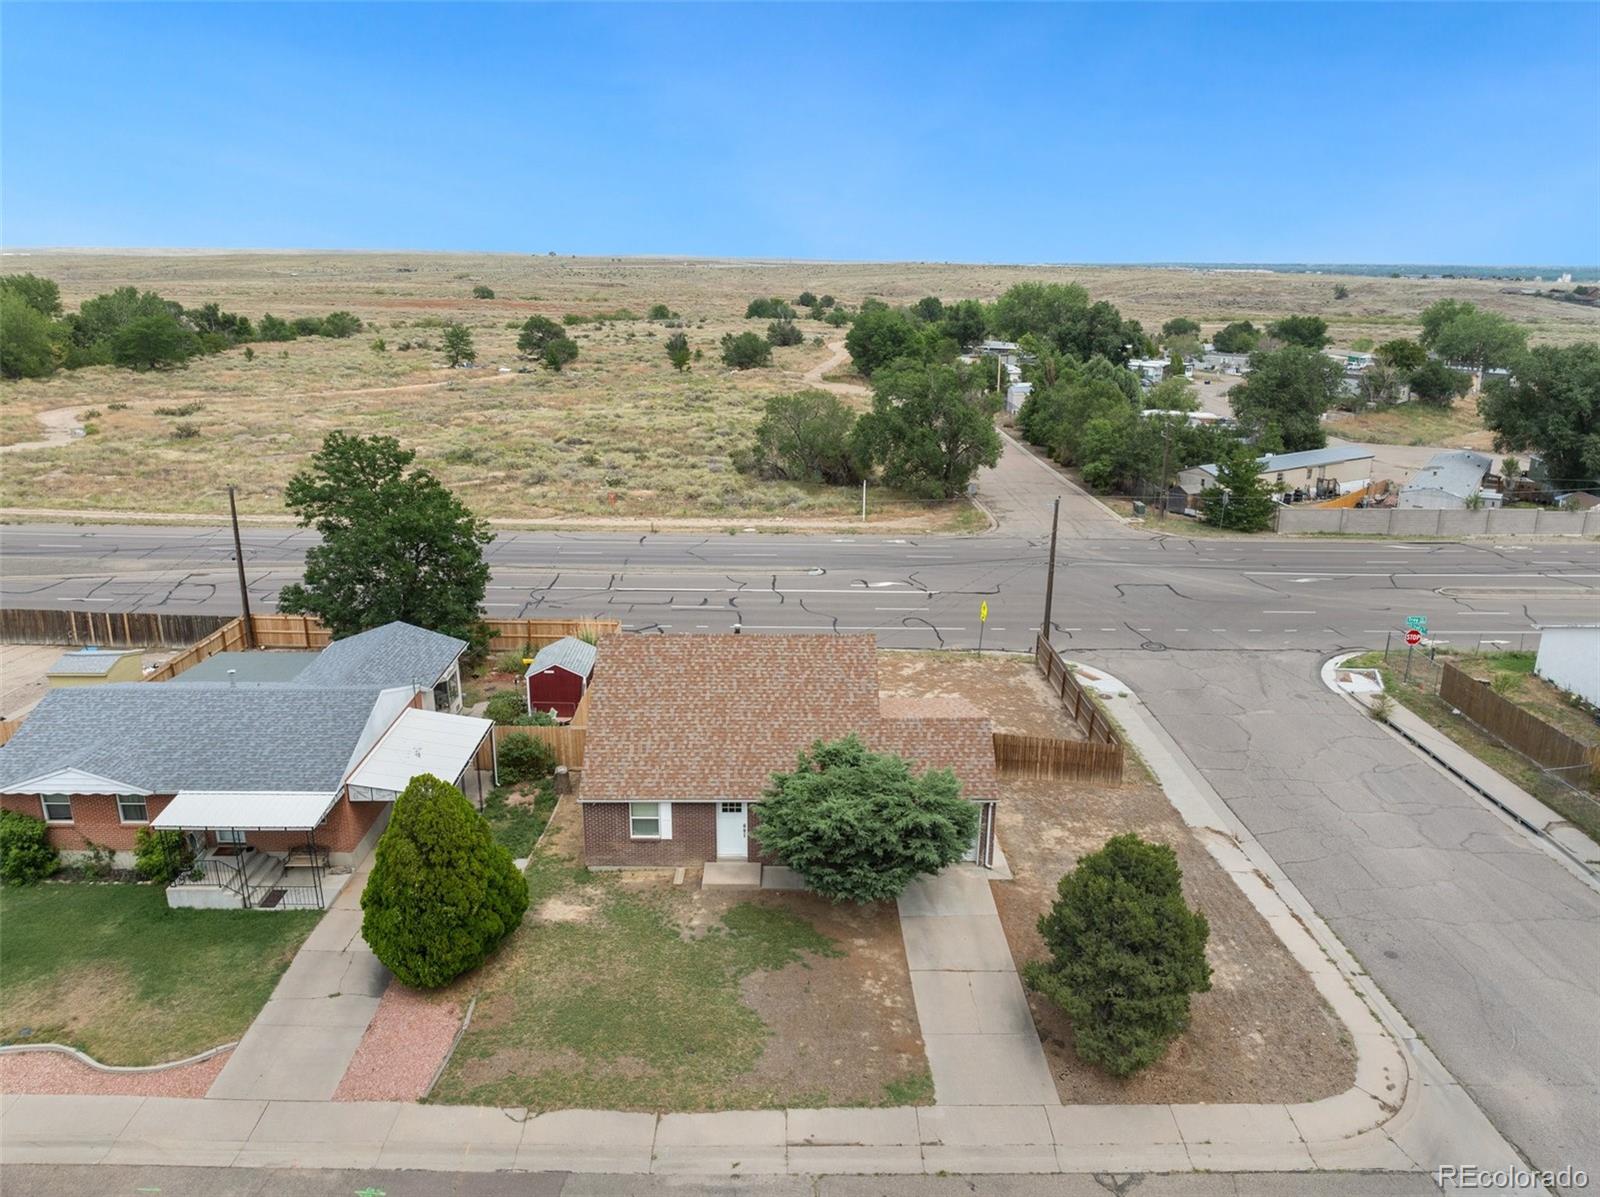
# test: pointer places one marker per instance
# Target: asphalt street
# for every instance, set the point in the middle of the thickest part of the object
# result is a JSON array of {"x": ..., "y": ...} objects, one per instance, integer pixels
[{"x": 1117, "y": 591}]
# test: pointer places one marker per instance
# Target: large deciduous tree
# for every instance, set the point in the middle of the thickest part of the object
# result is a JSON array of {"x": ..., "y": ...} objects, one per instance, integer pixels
[
  {"x": 930, "y": 428},
  {"x": 804, "y": 437},
  {"x": 1311, "y": 332},
  {"x": 881, "y": 335},
  {"x": 43, "y": 295},
  {"x": 1287, "y": 391},
  {"x": 1551, "y": 406},
  {"x": 1240, "y": 500},
  {"x": 28, "y": 340},
  {"x": 859, "y": 825},
  {"x": 1126, "y": 954},
  {"x": 1463, "y": 332},
  {"x": 1239, "y": 337},
  {"x": 442, "y": 894},
  {"x": 1062, "y": 314},
  {"x": 536, "y": 333},
  {"x": 153, "y": 342},
  {"x": 395, "y": 543},
  {"x": 1436, "y": 384}
]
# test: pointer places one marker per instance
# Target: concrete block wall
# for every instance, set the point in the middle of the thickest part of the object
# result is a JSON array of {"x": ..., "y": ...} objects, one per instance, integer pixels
[{"x": 1394, "y": 521}]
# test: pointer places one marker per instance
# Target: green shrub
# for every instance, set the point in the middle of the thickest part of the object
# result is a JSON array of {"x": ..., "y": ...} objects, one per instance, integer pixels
[
  {"x": 443, "y": 894},
  {"x": 1126, "y": 954},
  {"x": 746, "y": 351},
  {"x": 859, "y": 825},
  {"x": 482, "y": 292},
  {"x": 506, "y": 707},
  {"x": 768, "y": 309},
  {"x": 558, "y": 353},
  {"x": 26, "y": 854},
  {"x": 785, "y": 332},
  {"x": 161, "y": 856},
  {"x": 524, "y": 758}
]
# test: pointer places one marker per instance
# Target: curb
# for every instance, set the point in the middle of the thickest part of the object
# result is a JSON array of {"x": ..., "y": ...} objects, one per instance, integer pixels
[
  {"x": 17, "y": 1049},
  {"x": 1368, "y": 1108},
  {"x": 1583, "y": 870}
]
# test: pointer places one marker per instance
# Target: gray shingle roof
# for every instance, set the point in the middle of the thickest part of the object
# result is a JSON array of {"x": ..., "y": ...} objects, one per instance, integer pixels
[
  {"x": 89, "y": 662},
  {"x": 570, "y": 653},
  {"x": 250, "y": 668},
  {"x": 396, "y": 654},
  {"x": 166, "y": 738}
]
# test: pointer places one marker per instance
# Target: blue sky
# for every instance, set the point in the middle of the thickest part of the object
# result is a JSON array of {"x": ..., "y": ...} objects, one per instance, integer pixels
[{"x": 1083, "y": 133}]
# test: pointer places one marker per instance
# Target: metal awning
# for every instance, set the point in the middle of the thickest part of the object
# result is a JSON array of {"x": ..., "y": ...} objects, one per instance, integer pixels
[
  {"x": 420, "y": 742},
  {"x": 245, "y": 810}
]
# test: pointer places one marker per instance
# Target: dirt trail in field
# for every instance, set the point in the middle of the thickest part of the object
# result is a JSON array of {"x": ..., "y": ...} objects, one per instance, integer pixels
[
  {"x": 839, "y": 356},
  {"x": 61, "y": 425}
]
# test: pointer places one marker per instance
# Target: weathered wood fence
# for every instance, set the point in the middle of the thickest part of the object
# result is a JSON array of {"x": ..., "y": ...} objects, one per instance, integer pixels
[
  {"x": 1537, "y": 740},
  {"x": 1045, "y": 756},
  {"x": 107, "y": 629},
  {"x": 8, "y": 728},
  {"x": 1100, "y": 754}
]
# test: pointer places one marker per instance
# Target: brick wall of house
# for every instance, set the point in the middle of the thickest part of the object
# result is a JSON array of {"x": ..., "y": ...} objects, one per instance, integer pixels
[
  {"x": 94, "y": 820},
  {"x": 606, "y": 840}
]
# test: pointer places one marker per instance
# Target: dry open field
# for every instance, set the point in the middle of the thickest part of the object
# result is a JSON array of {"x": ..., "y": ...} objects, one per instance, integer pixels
[{"x": 618, "y": 434}]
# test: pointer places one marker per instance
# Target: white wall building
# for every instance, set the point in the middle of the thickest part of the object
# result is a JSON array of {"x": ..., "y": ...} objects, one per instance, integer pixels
[{"x": 1569, "y": 657}]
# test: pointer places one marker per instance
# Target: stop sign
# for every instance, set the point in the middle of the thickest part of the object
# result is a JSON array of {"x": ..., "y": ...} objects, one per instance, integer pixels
[{"x": 1413, "y": 637}]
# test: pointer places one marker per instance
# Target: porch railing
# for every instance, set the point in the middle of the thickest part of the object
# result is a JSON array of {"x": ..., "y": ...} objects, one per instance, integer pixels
[
  {"x": 285, "y": 897},
  {"x": 213, "y": 870}
]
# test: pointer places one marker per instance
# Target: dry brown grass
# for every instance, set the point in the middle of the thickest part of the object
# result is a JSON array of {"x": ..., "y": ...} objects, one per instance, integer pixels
[{"x": 617, "y": 434}]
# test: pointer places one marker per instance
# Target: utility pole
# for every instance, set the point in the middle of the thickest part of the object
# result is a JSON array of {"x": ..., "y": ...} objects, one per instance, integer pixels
[
  {"x": 1050, "y": 578},
  {"x": 1166, "y": 465},
  {"x": 238, "y": 559},
  {"x": 863, "y": 500}
]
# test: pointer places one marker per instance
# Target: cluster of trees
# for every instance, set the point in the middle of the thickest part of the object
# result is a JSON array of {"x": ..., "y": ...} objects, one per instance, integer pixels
[
  {"x": 129, "y": 328},
  {"x": 543, "y": 339},
  {"x": 930, "y": 428},
  {"x": 1239, "y": 337}
]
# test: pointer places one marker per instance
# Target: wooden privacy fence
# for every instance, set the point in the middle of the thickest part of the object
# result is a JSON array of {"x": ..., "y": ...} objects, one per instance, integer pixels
[
  {"x": 8, "y": 728},
  {"x": 1526, "y": 732},
  {"x": 567, "y": 742},
  {"x": 107, "y": 629},
  {"x": 1046, "y": 756},
  {"x": 1078, "y": 703}
]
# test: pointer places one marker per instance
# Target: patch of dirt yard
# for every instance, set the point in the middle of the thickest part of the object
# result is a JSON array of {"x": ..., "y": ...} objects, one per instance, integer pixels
[
  {"x": 1005, "y": 686},
  {"x": 1262, "y": 1033},
  {"x": 626, "y": 991}
]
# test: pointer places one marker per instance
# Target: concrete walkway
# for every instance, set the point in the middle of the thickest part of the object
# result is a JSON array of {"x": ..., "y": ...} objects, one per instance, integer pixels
[
  {"x": 977, "y": 1030},
  {"x": 1020, "y": 488},
  {"x": 305, "y": 1036}
]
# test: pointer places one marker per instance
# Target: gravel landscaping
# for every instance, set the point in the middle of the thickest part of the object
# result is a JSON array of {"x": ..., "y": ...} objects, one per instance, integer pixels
[
  {"x": 56, "y": 1072},
  {"x": 406, "y": 1042}
]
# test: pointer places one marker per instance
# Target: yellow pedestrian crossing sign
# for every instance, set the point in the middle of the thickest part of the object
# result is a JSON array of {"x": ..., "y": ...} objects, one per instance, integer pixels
[{"x": 983, "y": 611}]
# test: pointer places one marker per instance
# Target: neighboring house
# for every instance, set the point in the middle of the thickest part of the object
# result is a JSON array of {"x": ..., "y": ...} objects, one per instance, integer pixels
[
  {"x": 272, "y": 780},
  {"x": 1448, "y": 482},
  {"x": 1150, "y": 370},
  {"x": 1016, "y": 395},
  {"x": 1569, "y": 658},
  {"x": 558, "y": 676},
  {"x": 395, "y": 654},
  {"x": 1224, "y": 363},
  {"x": 686, "y": 731},
  {"x": 91, "y": 666},
  {"x": 1315, "y": 473}
]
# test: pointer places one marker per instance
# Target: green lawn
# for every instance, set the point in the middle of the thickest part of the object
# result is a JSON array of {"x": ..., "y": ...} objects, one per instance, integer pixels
[
  {"x": 111, "y": 970},
  {"x": 517, "y": 825}
]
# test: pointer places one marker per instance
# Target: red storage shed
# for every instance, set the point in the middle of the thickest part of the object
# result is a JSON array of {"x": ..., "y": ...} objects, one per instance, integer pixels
[{"x": 559, "y": 675}]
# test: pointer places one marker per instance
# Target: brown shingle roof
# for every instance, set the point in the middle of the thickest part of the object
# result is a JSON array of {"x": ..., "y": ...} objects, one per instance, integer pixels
[{"x": 711, "y": 717}]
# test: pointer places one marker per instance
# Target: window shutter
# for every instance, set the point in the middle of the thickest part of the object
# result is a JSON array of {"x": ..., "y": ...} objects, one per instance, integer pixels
[{"x": 666, "y": 820}]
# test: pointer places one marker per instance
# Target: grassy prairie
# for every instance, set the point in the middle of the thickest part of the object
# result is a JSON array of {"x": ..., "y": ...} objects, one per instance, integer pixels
[
  {"x": 111, "y": 970},
  {"x": 1457, "y": 426},
  {"x": 618, "y": 434}
]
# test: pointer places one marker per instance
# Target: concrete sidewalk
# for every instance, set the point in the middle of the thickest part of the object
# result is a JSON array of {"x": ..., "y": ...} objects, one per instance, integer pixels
[
  {"x": 977, "y": 1030},
  {"x": 306, "y": 1035}
]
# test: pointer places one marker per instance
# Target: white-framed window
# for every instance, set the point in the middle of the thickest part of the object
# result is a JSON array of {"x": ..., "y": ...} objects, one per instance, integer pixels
[
  {"x": 227, "y": 835},
  {"x": 650, "y": 820},
  {"x": 57, "y": 807},
  {"x": 131, "y": 808}
]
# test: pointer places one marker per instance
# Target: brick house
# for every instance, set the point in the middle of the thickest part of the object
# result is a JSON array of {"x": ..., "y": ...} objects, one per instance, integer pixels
[
  {"x": 272, "y": 781},
  {"x": 685, "y": 732}
]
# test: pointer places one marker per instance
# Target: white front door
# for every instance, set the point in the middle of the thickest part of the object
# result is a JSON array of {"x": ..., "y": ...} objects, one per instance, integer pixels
[{"x": 732, "y": 837}]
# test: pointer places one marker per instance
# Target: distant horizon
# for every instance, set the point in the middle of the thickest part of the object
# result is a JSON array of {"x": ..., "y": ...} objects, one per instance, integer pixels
[
  {"x": 1581, "y": 272},
  {"x": 1135, "y": 134}
]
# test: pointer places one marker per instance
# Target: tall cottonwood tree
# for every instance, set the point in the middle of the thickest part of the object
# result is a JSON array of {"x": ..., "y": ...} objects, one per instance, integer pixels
[{"x": 396, "y": 544}]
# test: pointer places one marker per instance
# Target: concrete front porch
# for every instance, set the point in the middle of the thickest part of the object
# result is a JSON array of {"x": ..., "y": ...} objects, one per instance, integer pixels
[{"x": 244, "y": 877}]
